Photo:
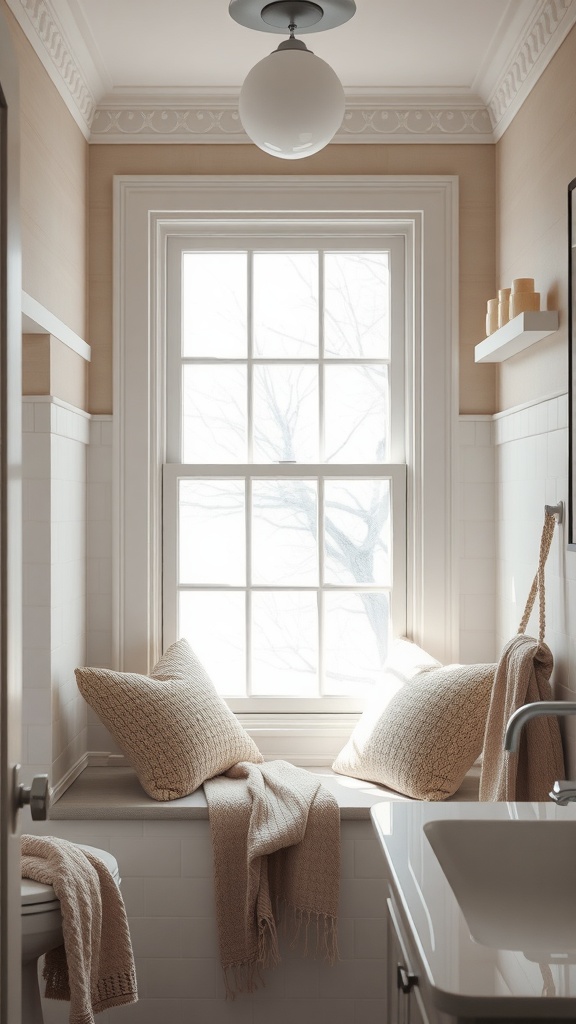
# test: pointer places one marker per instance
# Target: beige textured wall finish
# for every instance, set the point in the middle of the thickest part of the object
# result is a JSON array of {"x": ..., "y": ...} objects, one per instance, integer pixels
[
  {"x": 51, "y": 368},
  {"x": 53, "y": 184},
  {"x": 536, "y": 158},
  {"x": 473, "y": 164}
]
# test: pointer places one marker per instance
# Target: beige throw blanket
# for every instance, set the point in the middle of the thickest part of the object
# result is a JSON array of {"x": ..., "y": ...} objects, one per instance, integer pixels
[
  {"x": 276, "y": 842},
  {"x": 522, "y": 676},
  {"x": 94, "y": 968}
]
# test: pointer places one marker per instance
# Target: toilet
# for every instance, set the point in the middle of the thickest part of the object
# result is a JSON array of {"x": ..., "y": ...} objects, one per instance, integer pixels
[{"x": 42, "y": 931}]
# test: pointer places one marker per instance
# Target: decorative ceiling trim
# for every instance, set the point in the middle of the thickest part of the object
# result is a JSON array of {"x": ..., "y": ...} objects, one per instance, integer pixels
[
  {"x": 42, "y": 29},
  {"x": 381, "y": 121},
  {"x": 383, "y": 118},
  {"x": 545, "y": 32}
]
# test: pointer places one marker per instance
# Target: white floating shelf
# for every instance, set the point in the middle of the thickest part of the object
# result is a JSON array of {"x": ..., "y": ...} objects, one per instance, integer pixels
[{"x": 521, "y": 332}]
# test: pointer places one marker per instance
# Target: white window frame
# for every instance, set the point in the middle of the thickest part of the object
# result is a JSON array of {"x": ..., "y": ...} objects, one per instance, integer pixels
[
  {"x": 146, "y": 210},
  {"x": 260, "y": 237}
]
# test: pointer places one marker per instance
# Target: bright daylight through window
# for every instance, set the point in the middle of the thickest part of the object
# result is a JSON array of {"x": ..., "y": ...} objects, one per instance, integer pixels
[{"x": 284, "y": 499}]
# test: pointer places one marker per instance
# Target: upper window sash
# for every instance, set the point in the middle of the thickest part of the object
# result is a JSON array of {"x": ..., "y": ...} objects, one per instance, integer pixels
[{"x": 394, "y": 244}]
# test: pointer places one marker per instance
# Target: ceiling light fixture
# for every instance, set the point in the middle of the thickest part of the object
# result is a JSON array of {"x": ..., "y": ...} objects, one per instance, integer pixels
[{"x": 292, "y": 102}]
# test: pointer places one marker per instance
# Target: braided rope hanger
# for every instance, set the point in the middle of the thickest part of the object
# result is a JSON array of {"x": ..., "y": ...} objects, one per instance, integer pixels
[{"x": 538, "y": 581}]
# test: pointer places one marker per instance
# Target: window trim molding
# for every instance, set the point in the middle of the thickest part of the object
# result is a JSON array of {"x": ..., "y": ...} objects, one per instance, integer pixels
[{"x": 142, "y": 205}]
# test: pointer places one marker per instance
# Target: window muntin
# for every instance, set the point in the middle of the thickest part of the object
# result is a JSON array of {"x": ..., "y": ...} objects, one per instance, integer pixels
[{"x": 297, "y": 601}]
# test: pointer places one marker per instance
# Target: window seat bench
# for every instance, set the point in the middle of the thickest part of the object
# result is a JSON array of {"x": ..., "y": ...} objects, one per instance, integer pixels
[{"x": 115, "y": 793}]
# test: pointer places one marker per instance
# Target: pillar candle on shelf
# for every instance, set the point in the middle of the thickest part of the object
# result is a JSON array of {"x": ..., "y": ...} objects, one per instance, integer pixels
[
  {"x": 503, "y": 306},
  {"x": 491, "y": 316},
  {"x": 523, "y": 298}
]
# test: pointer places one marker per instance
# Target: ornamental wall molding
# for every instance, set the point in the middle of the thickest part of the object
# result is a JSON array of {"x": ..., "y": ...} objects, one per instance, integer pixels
[
  {"x": 422, "y": 120},
  {"x": 48, "y": 37},
  {"x": 107, "y": 117},
  {"x": 543, "y": 36}
]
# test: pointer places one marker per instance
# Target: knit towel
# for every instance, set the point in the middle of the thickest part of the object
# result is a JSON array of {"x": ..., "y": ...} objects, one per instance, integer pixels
[
  {"x": 94, "y": 968},
  {"x": 276, "y": 841},
  {"x": 522, "y": 676}
]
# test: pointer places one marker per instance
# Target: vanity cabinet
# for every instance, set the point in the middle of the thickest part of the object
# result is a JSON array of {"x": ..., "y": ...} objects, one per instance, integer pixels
[
  {"x": 404, "y": 1002},
  {"x": 408, "y": 1001},
  {"x": 495, "y": 944}
]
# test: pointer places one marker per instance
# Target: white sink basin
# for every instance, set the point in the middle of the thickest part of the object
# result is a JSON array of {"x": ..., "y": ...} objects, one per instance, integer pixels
[{"x": 515, "y": 881}]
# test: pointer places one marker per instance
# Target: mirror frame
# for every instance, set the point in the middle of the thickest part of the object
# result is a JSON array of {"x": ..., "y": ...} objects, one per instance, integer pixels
[{"x": 572, "y": 365}]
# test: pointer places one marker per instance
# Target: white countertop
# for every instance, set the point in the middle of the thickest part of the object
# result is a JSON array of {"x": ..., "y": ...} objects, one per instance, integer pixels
[{"x": 467, "y": 976}]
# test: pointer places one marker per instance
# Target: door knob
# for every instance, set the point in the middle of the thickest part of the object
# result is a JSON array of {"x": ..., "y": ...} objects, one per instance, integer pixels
[{"x": 37, "y": 796}]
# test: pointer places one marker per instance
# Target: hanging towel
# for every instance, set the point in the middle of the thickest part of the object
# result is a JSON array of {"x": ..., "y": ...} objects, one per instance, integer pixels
[
  {"x": 276, "y": 842},
  {"x": 523, "y": 677},
  {"x": 94, "y": 968}
]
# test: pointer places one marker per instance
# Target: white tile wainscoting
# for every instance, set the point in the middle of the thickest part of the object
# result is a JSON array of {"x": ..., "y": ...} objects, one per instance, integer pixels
[
  {"x": 54, "y": 443},
  {"x": 166, "y": 870},
  {"x": 531, "y": 445}
]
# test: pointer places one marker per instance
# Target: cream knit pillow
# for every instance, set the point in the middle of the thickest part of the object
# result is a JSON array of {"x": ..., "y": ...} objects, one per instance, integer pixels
[
  {"x": 173, "y": 726},
  {"x": 423, "y": 738}
]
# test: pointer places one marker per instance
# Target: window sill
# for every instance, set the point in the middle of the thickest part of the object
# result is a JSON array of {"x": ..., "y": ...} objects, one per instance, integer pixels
[{"x": 113, "y": 793}]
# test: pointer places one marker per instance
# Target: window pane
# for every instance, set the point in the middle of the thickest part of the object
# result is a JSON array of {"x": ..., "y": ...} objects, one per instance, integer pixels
[
  {"x": 285, "y": 414},
  {"x": 357, "y": 534},
  {"x": 356, "y": 305},
  {"x": 356, "y": 630},
  {"x": 214, "y": 304},
  {"x": 214, "y": 414},
  {"x": 284, "y": 533},
  {"x": 214, "y": 623},
  {"x": 357, "y": 414},
  {"x": 284, "y": 644},
  {"x": 286, "y": 304},
  {"x": 212, "y": 532}
]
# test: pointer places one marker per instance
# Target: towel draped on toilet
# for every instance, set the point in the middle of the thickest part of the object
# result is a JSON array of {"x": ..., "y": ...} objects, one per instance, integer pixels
[{"x": 94, "y": 968}]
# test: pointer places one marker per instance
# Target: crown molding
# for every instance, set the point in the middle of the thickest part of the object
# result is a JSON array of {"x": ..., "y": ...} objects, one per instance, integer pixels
[
  {"x": 543, "y": 35},
  {"x": 369, "y": 118},
  {"x": 49, "y": 39},
  {"x": 385, "y": 117}
]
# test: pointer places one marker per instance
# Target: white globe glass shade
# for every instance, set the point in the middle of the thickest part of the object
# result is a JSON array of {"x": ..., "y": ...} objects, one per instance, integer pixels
[{"x": 291, "y": 104}]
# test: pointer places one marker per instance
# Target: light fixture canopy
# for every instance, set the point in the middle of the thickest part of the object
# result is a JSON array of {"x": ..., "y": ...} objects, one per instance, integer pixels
[
  {"x": 292, "y": 102},
  {"x": 264, "y": 16}
]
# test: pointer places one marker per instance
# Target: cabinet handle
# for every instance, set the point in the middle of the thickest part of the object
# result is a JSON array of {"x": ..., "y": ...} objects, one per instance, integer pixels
[{"x": 405, "y": 979}]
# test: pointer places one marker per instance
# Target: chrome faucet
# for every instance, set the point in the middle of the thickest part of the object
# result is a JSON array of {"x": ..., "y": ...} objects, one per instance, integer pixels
[{"x": 563, "y": 791}]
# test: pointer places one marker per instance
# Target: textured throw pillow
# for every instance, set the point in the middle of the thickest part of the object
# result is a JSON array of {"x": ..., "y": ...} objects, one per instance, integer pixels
[
  {"x": 422, "y": 738},
  {"x": 173, "y": 726}
]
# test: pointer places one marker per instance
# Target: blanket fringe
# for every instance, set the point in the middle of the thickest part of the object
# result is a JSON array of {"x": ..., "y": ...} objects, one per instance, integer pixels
[
  {"x": 242, "y": 979},
  {"x": 268, "y": 951},
  {"x": 298, "y": 923}
]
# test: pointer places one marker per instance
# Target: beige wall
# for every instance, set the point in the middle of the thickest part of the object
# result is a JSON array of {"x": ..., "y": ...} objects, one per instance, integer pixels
[
  {"x": 51, "y": 368},
  {"x": 535, "y": 160},
  {"x": 473, "y": 164},
  {"x": 53, "y": 182}
]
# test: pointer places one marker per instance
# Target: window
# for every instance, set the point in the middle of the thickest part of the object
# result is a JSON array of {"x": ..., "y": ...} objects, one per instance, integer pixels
[
  {"x": 284, "y": 518},
  {"x": 155, "y": 218}
]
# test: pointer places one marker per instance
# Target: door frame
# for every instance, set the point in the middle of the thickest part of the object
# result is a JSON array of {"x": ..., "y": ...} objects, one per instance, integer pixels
[{"x": 10, "y": 528}]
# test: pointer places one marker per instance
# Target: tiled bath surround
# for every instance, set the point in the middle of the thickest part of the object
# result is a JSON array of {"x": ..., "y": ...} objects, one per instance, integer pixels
[{"x": 166, "y": 870}]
